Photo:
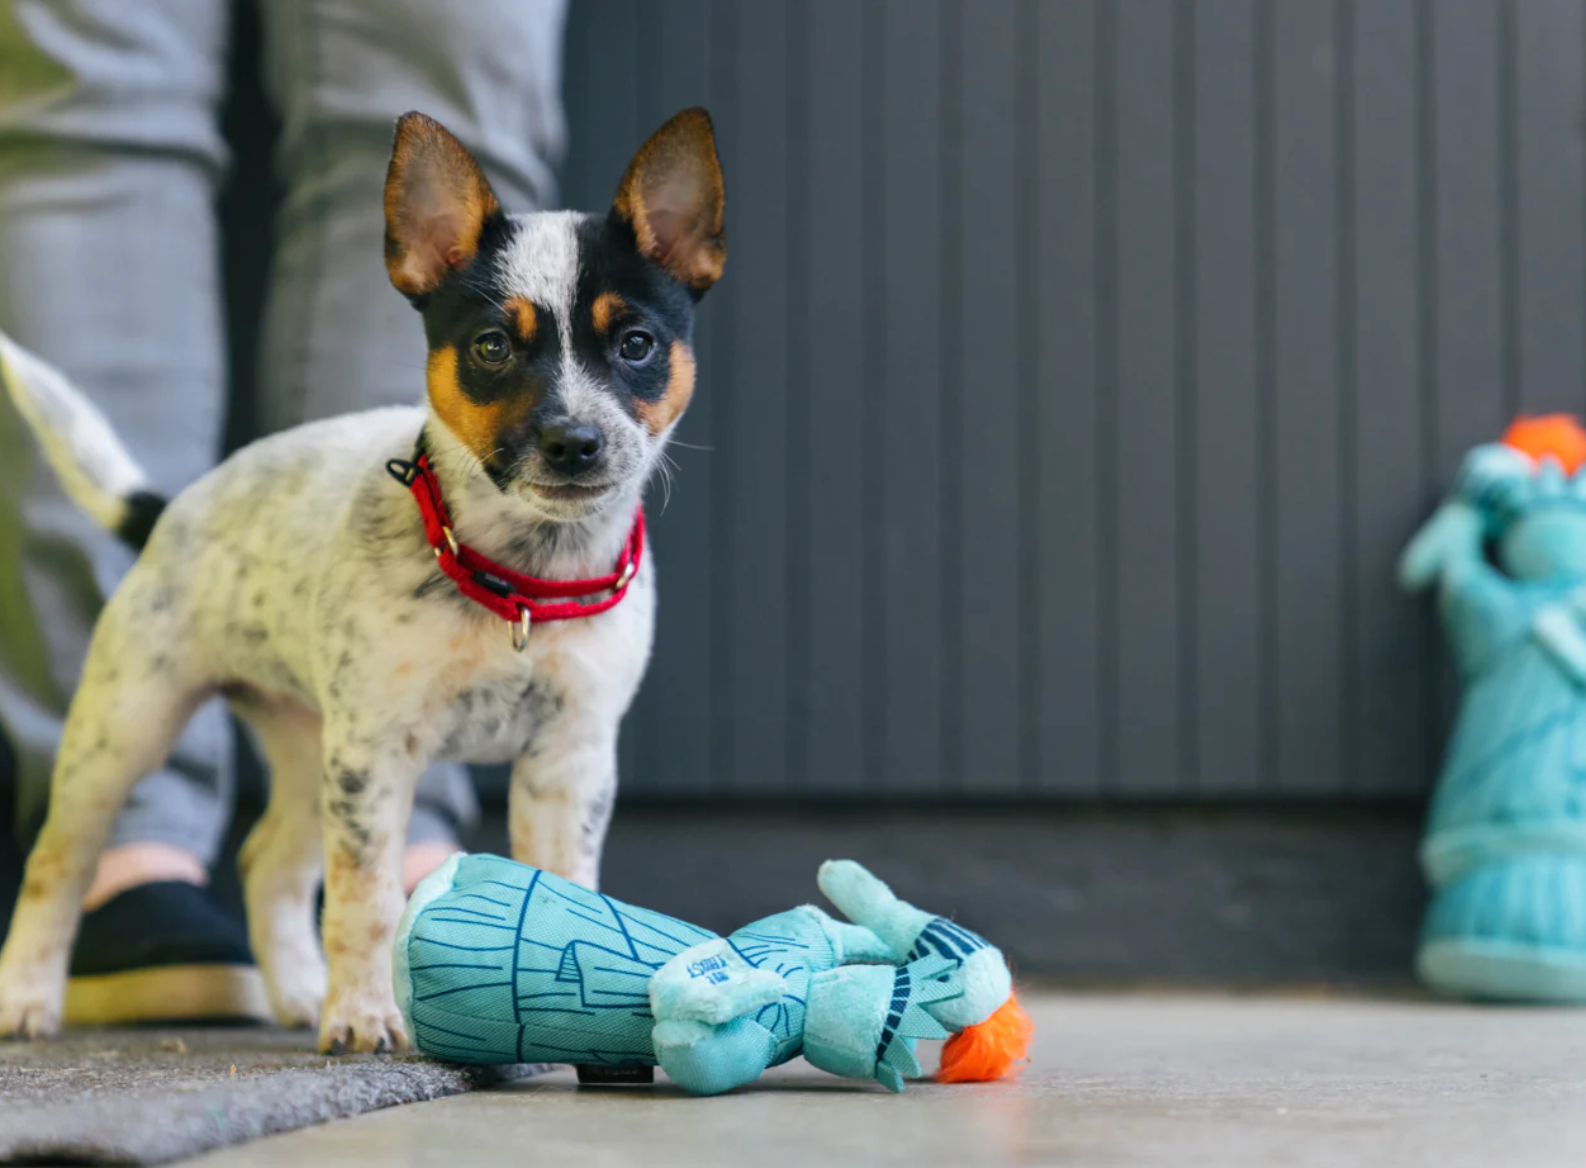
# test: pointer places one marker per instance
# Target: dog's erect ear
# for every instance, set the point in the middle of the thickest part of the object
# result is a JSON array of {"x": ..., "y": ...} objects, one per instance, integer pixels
[
  {"x": 437, "y": 202},
  {"x": 672, "y": 197}
]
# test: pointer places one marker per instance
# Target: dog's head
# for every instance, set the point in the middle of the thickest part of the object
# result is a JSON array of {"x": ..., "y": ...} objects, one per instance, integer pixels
[{"x": 560, "y": 344}]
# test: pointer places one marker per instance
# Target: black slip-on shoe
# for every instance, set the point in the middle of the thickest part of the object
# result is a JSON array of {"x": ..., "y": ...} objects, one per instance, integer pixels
[{"x": 162, "y": 952}]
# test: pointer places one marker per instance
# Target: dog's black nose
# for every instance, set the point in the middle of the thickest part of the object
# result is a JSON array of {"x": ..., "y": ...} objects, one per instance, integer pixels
[{"x": 573, "y": 448}]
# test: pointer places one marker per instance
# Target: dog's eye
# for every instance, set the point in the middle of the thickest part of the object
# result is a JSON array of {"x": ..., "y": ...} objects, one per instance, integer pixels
[
  {"x": 493, "y": 347},
  {"x": 636, "y": 347}
]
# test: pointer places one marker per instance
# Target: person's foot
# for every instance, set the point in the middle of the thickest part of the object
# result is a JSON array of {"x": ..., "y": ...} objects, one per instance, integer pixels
[
  {"x": 421, "y": 859},
  {"x": 155, "y": 945},
  {"x": 162, "y": 951},
  {"x": 128, "y": 865}
]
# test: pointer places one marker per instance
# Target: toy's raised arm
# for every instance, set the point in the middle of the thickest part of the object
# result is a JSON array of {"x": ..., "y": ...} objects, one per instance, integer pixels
[
  {"x": 978, "y": 966},
  {"x": 867, "y": 901},
  {"x": 1492, "y": 481},
  {"x": 1451, "y": 538}
]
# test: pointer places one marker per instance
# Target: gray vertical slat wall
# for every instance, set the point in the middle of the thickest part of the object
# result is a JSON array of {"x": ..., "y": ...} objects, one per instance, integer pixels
[
  {"x": 1227, "y": 558},
  {"x": 831, "y": 513},
  {"x": 1079, "y": 370},
  {"x": 1143, "y": 460},
  {"x": 1385, "y": 692},
  {"x": 1069, "y": 602},
  {"x": 982, "y": 440},
  {"x": 909, "y": 665}
]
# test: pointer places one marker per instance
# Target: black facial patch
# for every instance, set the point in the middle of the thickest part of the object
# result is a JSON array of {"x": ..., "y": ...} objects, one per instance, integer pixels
[
  {"x": 470, "y": 311},
  {"x": 652, "y": 301}
]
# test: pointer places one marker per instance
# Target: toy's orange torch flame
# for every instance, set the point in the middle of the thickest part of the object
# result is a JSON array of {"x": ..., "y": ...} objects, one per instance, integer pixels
[
  {"x": 994, "y": 1049},
  {"x": 1559, "y": 435}
]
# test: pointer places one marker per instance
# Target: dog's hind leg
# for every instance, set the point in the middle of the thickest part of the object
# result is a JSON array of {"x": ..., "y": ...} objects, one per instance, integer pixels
[
  {"x": 133, "y": 701},
  {"x": 282, "y": 860}
]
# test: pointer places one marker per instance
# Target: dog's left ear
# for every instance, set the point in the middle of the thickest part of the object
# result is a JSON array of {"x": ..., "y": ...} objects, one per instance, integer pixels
[
  {"x": 672, "y": 198},
  {"x": 437, "y": 202}
]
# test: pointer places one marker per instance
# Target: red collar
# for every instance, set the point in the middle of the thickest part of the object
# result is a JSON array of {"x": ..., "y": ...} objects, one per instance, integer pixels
[{"x": 514, "y": 597}]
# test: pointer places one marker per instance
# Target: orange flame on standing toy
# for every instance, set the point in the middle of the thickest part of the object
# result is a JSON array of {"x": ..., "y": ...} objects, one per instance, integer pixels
[
  {"x": 1558, "y": 435},
  {"x": 989, "y": 1050}
]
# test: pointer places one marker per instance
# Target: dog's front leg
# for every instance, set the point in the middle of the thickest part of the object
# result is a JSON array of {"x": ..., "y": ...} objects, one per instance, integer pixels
[
  {"x": 368, "y": 797},
  {"x": 562, "y": 790}
]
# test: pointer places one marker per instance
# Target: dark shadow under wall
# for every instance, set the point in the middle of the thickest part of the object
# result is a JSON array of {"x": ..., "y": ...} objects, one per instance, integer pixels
[{"x": 1235, "y": 896}]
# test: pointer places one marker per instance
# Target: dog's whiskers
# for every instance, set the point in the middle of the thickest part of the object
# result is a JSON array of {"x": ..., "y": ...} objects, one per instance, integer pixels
[{"x": 667, "y": 467}]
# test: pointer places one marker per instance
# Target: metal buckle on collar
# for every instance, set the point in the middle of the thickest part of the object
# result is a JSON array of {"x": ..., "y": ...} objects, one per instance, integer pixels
[
  {"x": 451, "y": 542},
  {"x": 520, "y": 629}
]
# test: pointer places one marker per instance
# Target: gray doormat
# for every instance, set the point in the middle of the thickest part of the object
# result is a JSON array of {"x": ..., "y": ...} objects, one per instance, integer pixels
[{"x": 149, "y": 1096}]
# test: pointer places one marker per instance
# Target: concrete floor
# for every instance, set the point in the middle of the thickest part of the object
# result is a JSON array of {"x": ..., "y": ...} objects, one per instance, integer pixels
[{"x": 1116, "y": 1081}]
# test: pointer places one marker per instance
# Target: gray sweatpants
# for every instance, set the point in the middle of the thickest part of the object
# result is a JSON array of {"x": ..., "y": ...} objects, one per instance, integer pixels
[{"x": 110, "y": 162}]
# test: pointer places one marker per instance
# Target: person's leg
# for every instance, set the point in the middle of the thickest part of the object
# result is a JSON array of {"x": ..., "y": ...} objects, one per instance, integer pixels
[
  {"x": 337, "y": 336},
  {"x": 109, "y": 162}
]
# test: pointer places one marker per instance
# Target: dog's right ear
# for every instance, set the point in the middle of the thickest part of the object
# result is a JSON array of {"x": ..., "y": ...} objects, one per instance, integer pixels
[{"x": 437, "y": 202}]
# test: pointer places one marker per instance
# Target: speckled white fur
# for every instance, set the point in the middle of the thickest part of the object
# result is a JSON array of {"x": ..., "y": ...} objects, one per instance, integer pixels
[{"x": 295, "y": 579}]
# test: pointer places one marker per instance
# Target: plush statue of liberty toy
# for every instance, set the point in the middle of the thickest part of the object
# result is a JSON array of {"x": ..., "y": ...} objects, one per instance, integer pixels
[
  {"x": 1505, "y": 848},
  {"x": 497, "y": 962}
]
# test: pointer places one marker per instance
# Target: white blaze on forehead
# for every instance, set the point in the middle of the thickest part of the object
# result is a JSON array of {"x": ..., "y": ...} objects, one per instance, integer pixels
[{"x": 540, "y": 263}]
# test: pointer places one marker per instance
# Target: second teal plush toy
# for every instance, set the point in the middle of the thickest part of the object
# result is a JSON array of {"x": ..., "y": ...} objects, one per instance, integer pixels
[
  {"x": 497, "y": 962},
  {"x": 1505, "y": 847}
]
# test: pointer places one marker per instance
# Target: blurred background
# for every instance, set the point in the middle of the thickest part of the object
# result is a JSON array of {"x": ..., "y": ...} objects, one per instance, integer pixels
[{"x": 1079, "y": 371}]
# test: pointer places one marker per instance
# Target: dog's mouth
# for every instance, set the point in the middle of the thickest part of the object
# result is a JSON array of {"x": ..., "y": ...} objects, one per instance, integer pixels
[
  {"x": 569, "y": 500},
  {"x": 570, "y": 492}
]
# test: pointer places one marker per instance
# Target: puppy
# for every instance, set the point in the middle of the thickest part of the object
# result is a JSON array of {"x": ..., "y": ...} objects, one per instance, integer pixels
[{"x": 360, "y": 635}]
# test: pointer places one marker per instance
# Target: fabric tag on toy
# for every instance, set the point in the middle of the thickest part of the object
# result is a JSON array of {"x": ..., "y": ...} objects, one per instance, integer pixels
[
  {"x": 713, "y": 983},
  {"x": 596, "y": 1075}
]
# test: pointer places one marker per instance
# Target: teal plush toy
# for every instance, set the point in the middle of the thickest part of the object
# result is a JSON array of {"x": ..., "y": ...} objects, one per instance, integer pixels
[
  {"x": 1505, "y": 847},
  {"x": 497, "y": 962}
]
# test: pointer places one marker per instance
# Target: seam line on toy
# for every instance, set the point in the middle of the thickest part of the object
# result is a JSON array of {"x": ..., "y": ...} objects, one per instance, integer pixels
[
  {"x": 633, "y": 949},
  {"x": 523, "y": 912}
]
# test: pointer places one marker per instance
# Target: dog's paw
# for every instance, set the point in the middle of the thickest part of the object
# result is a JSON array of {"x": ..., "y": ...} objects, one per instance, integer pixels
[
  {"x": 295, "y": 998},
  {"x": 28, "y": 1012},
  {"x": 361, "y": 1024}
]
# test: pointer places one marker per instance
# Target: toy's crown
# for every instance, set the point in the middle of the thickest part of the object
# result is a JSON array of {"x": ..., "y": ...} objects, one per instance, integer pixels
[{"x": 1540, "y": 461}]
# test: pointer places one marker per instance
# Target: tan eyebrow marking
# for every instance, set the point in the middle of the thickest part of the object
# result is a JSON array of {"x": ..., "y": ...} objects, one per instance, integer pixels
[
  {"x": 523, "y": 314},
  {"x": 607, "y": 306}
]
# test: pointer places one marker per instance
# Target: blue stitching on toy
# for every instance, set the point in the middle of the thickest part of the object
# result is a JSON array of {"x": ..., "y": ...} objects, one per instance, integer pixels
[
  {"x": 477, "y": 924},
  {"x": 476, "y": 913},
  {"x": 486, "y": 899},
  {"x": 468, "y": 948},
  {"x": 488, "y": 985},
  {"x": 453, "y": 1033}
]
